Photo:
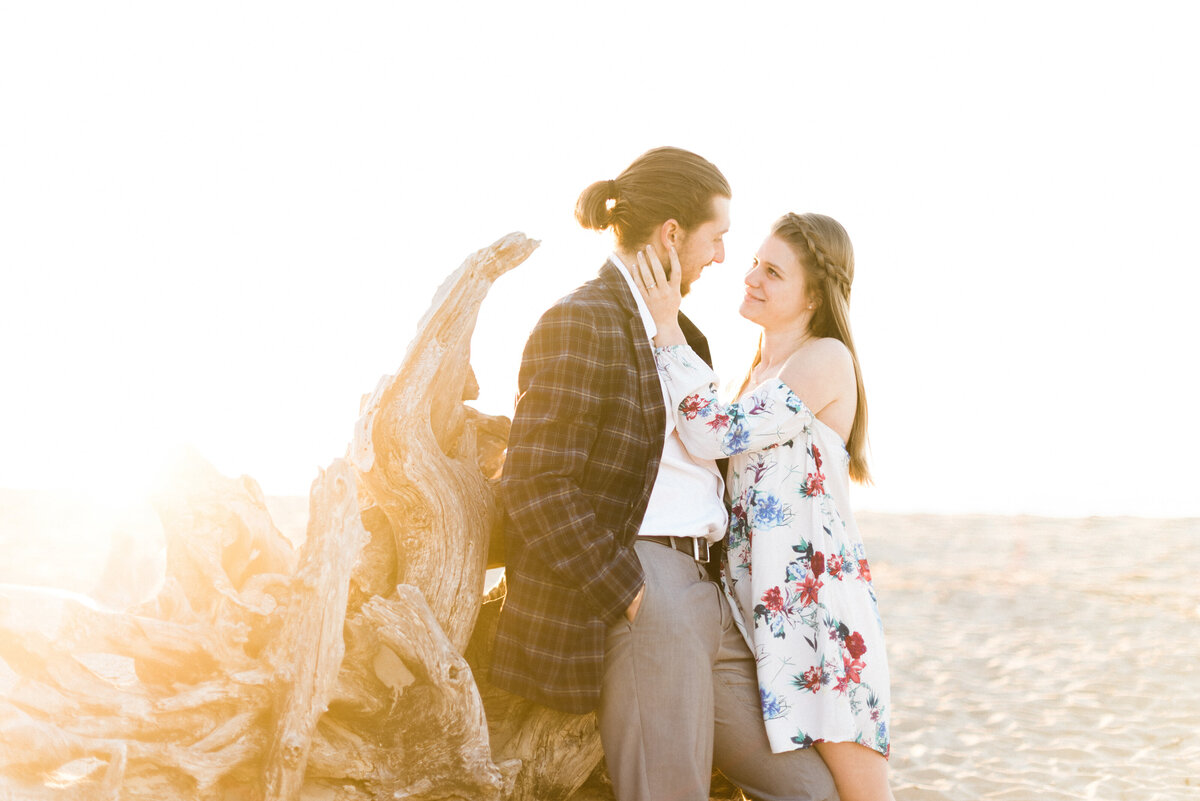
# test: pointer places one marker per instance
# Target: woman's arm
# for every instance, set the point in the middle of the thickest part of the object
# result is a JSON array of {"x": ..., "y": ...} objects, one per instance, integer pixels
[{"x": 771, "y": 415}]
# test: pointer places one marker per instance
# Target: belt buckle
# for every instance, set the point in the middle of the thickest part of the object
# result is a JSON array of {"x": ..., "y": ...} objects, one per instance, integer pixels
[{"x": 698, "y": 549}]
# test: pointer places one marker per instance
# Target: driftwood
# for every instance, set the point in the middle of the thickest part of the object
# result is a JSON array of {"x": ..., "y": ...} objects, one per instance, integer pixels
[{"x": 354, "y": 669}]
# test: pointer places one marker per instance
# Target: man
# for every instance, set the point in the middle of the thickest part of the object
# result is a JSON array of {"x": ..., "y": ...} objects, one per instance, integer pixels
[{"x": 610, "y": 521}]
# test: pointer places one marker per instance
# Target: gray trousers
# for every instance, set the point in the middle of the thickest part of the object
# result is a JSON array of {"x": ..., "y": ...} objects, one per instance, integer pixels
[{"x": 680, "y": 696}]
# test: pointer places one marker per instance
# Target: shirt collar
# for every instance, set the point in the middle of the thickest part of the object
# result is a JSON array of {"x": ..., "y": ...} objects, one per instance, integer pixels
[{"x": 643, "y": 309}]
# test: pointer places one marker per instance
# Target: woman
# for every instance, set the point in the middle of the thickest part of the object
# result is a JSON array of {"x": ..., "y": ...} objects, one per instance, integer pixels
[{"x": 795, "y": 573}]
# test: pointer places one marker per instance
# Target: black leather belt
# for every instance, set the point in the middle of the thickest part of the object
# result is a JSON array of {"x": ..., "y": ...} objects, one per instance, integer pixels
[{"x": 695, "y": 547}]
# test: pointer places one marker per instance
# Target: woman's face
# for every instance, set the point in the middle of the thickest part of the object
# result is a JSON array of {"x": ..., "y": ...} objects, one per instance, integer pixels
[{"x": 776, "y": 293}]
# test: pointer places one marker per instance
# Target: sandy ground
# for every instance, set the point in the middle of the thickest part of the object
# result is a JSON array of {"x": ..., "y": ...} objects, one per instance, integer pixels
[
  {"x": 1040, "y": 659},
  {"x": 1033, "y": 659}
]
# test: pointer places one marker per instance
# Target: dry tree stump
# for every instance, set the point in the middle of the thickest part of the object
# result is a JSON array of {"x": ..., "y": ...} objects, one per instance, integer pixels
[{"x": 352, "y": 669}]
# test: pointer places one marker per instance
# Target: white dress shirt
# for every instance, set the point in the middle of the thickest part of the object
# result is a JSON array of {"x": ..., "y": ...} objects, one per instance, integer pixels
[{"x": 687, "y": 497}]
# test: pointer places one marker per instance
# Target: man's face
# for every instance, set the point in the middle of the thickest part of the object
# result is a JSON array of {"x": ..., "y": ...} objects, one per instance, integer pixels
[{"x": 704, "y": 244}]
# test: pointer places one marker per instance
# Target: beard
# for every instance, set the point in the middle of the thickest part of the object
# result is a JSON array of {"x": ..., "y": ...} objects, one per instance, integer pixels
[
  {"x": 685, "y": 281},
  {"x": 690, "y": 275}
]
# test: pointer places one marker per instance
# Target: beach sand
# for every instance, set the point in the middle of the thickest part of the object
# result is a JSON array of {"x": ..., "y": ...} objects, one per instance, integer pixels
[
  {"x": 1037, "y": 659},
  {"x": 1033, "y": 659}
]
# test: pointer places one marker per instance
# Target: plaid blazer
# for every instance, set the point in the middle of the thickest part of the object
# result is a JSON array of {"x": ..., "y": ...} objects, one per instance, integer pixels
[{"x": 583, "y": 454}]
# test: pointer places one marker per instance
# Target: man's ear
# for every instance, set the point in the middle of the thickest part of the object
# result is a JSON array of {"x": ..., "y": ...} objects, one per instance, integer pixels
[{"x": 670, "y": 234}]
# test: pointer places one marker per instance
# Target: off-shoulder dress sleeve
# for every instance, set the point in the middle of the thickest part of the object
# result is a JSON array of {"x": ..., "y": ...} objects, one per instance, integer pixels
[{"x": 769, "y": 416}]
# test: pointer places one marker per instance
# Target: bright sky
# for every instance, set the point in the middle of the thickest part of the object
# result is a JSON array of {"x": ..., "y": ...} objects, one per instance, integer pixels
[{"x": 220, "y": 221}]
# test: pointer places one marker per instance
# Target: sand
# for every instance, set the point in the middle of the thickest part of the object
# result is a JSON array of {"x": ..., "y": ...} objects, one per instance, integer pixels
[
  {"x": 1033, "y": 659},
  {"x": 1037, "y": 659}
]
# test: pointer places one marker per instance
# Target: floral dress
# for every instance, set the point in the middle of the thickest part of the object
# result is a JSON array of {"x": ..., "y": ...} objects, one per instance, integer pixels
[{"x": 796, "y": 572}]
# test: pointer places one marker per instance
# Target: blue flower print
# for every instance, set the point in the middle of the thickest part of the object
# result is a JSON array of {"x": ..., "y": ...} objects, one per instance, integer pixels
[
  {"x": 769, "y": 511},
  {"x": 772, "y": 707},
  {"x": 737, "y": 440}
]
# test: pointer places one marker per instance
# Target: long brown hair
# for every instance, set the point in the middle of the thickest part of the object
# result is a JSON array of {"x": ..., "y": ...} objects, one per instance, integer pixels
[
  {"x": 823, "y": 248},
  {"x": 661, "y": 184}
]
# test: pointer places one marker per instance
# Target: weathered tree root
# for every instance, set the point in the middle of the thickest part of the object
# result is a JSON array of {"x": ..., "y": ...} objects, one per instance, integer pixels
[{"x": 337, "y": 673}]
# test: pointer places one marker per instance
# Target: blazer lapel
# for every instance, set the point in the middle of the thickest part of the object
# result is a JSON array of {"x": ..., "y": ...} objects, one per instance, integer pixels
[
  {"x": 699, "y": 343},
  {"x": 654, "y": 410},
  {"x": 649, "y": 390},
  {"x": 695, "y": 339}
]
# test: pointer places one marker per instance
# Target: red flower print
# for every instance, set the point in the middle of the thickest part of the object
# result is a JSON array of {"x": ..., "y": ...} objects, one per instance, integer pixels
[
  {"x": 843, "y": 683},
  {"x": 812, "y": 679},
  {"x": 773, "y": 599},
  {"x": 718, "y": 422},
  {"x": 692, "y": 405},
  {"x": 835, "y": 567},
  {"x": 809, "y": 588},
  {"x": 864, "y": 570},
  {"x": 817, "y": 457},
  {"x": 855, "y": 645},
  {"x": 818, "y": 563},
  {"x": 854, "y": 669},
  {"x": 816, "y": 483}
]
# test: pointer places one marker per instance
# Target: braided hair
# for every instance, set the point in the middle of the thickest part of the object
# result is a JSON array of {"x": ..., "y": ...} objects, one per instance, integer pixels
[{"x": 823, "y": 248}]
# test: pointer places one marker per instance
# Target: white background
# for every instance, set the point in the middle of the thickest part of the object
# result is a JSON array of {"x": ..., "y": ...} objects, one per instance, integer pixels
[{"x": 220, "y": 222}]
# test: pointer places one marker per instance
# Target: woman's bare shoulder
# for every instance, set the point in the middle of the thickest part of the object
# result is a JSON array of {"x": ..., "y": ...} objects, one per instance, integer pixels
[
  {"x": 825, "y": 357},
  {"x": 818, "y": 372}
]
